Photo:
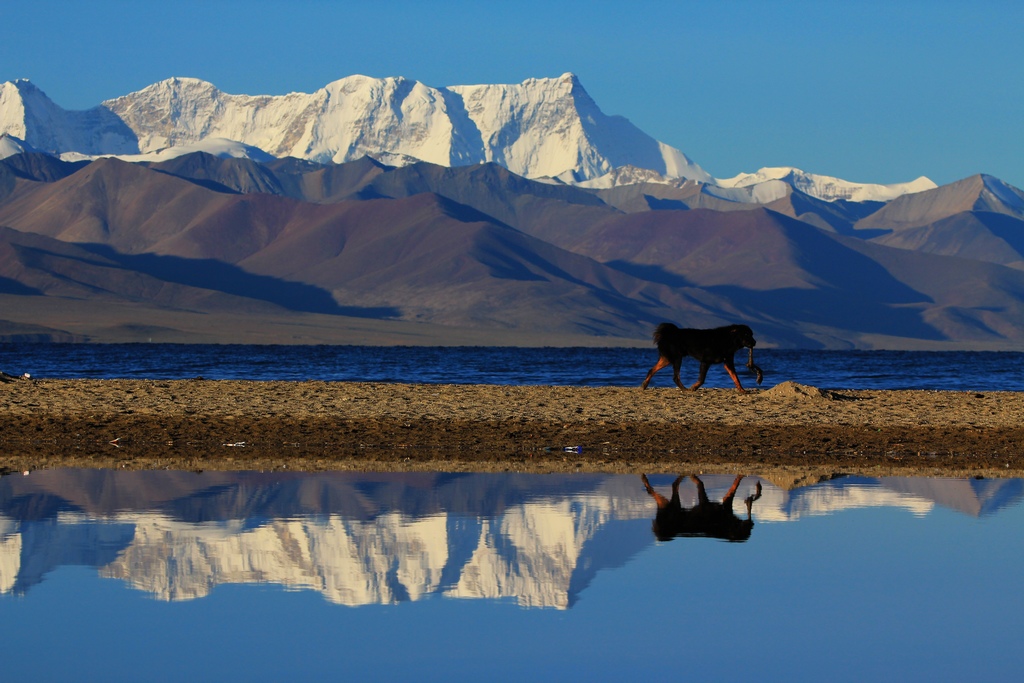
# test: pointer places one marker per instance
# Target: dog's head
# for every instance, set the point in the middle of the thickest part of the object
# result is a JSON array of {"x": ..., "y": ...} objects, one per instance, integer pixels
[{"x": 742, "y": 336}]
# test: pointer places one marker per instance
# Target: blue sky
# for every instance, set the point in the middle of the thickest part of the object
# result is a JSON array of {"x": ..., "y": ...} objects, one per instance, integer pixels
[{"x": 866, "y": 91}]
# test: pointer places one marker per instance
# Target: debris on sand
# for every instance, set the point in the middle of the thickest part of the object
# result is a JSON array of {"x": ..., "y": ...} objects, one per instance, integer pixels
[{"x": 797, "y": 390}]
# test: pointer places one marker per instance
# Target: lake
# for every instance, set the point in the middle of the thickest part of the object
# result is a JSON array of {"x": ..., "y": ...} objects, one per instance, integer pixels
[
  {"x": 954, "y": 370},
  {"x": 212, "y": 576}
]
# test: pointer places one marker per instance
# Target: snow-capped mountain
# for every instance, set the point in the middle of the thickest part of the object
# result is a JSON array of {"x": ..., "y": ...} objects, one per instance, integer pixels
[
  {"x": 32, "y": 117},
  {"x": 820, "y": 186},
  {"x": 540, "y": 128},
  {"x": 766, "y": 185}
]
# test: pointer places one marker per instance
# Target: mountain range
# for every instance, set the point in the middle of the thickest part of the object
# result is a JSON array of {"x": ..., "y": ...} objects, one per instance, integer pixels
[{"x": 385, "y": 211}]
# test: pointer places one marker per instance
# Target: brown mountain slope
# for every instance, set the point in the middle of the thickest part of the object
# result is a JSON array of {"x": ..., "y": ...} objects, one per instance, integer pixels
[
  {"x": 41, "y": 167},
  {"x": 838, "y": 215},
  {"x": 795, "y": 276},
  {"x": 421, "y": 258},
  {"x": 976, "y": 193},
  {"x": 979, "y": 235},
  {"x": 552, "y": 212},
  {"x": 126, "y": 206},
  {"x": 137, "y": 245},
  {"x": 647, "y": 196},
  {"x": 964, "y": 299},
  {"x": 442, "y": 262},
  {"x": 34, "y": 265},
  {"x": 244, "y": 176},
  {"x": 326, "y": 184},
  {"x": 754, "y": 249}
]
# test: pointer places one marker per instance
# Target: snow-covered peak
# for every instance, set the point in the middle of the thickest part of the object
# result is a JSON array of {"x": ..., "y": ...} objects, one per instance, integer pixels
[
  {"x": 177, "y": 84},
  {"x": 553, "y": 126},
  {"x": 10, "y": 145},
  {"x": 627, "y": 175},
  {"x": 20, "y": 103},
  {"x": 762, "y": 187},
  {"x": 28, "y": 114},
  {"x": 827, "y": 187},
  {"x": 756, "y": 193}
]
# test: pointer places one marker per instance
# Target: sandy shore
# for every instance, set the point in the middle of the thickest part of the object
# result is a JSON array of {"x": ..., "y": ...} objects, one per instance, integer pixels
[{"x": 790, "y": 428}]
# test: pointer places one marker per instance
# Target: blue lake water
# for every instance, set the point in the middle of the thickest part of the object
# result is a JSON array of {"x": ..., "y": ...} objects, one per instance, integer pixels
[
  {"x": 960, "y": 371},
  {"x": 127, "y": 576}
]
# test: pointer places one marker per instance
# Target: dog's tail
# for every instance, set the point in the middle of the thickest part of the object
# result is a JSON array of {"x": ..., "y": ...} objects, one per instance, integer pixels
[{"x": 663, "y": 330}]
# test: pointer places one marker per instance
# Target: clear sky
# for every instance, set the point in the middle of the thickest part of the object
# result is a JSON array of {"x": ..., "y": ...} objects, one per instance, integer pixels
[{"x": 867, "y": 91}]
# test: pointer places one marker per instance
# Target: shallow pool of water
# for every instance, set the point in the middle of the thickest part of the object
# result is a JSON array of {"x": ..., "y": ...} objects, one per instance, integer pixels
[{"x": 427, "y": 576}]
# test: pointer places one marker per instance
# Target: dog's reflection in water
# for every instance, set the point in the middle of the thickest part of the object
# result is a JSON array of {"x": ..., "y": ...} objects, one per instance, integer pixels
[{"x": 707, "y": 519}]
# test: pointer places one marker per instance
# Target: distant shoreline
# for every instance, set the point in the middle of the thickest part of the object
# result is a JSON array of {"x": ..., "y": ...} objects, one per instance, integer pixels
[{"x": 791, "y": 430}]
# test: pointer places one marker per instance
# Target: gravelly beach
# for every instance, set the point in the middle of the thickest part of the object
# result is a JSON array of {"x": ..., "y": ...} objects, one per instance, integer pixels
[{"x": 790, "y": 430}]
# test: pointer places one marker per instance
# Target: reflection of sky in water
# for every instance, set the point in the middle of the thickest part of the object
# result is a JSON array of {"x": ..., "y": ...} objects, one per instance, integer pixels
[{"x": 847, "y": 580}]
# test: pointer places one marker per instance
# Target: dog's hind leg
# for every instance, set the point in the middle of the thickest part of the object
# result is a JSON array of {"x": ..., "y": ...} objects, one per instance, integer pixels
[
  {"x": 675, "y": 374},
  {"x": 661, "y": 500},
  {"x": 662, "y": 363}
]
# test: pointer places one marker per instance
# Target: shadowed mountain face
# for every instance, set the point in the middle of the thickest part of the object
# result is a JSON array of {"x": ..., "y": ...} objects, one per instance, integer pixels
[
  {"x": 477, "y": 247},
  {"x": 977, "y": 235}
]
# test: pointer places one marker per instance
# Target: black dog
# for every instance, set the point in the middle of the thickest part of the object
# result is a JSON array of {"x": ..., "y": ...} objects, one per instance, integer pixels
[{"x": 708, "y": 346}]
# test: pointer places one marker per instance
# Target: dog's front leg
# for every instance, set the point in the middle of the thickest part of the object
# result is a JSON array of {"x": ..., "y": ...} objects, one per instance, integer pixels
[
  {"x": 700, "y": 379},
  {"x": 731, "y": 369}
]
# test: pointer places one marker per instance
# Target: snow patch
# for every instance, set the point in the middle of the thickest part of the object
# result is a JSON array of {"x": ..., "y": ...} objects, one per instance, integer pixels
[
  {"x": 10, "y": 145},
  {"x": 218, "y": 147}
]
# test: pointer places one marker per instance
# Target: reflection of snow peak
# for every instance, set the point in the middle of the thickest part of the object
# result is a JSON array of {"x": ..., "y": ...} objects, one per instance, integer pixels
[
  {"x": 777, "y": 505},
  {"x": 10, "y": 560},
  {"x": 350, "y": 563},
  {"x": 529, "y": 553},
  {"x": 541, "y": 551}
]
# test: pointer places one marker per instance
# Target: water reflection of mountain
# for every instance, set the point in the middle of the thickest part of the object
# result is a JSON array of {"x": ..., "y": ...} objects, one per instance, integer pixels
[
  {"x": 356, "y": 538},
  {"x": 919, "y": 495},
  {"x": 375, "y": 539}
]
